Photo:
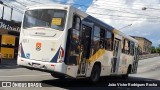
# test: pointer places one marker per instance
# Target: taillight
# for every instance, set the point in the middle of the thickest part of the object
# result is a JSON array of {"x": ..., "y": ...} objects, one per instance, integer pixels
[
  {"x": 61, "y": 55},
  {"x": 62, "y": 52},
  {"x": 19, "y": 50},
  {"x": 0, "y": 55},
  {"x": 52, "y": 65}
]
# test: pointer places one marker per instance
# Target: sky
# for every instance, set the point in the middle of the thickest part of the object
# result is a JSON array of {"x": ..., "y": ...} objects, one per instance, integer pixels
[{"x": 125, "y": 15}]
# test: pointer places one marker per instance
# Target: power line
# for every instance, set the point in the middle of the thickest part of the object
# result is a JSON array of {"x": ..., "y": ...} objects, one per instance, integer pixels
[
  {"x": 120, "y": 16},
  {"x": 21, "y": 3},
  {"x": 135, "y": 3},
  {"x": 34, "y": 1},
  {"x": 89, "y": 5},
  {"x": 105, "y": 9},
  {"x": 127, "y": 12},
  {"x": 116, "y": 10},
  {"x": 126, "y": 19},
  {"x": 16, "y": 8},
  {"x": 122, "y": 7}
]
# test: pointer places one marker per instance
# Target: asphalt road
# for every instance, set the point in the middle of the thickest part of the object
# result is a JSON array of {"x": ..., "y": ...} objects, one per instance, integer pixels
[{"x": 148, "y": 70}]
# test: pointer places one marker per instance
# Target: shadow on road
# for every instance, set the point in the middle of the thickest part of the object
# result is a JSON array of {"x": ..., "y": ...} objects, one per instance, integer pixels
[
  {"x": 9, "y": 66},
  {"x": 102, "y": 84}
]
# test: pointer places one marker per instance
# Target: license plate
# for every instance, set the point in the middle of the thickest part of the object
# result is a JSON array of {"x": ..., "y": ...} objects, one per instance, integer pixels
[{"x": 36, "y": 65}]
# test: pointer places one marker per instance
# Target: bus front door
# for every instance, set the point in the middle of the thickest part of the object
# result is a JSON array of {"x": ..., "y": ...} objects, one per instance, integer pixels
[
  {"x": 85, "y": 48},
  {"x": 116, "y": 56},
  {"x": 135, "y": 62}
]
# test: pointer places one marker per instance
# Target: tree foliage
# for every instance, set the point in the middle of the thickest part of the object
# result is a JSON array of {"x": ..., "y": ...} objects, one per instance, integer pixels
[
  {"x": 158, "y": 50},
  {"x": 155, "y": 50}
]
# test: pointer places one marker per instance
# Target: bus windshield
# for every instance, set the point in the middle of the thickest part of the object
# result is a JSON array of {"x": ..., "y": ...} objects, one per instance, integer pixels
[{"x": 49, "y": 18}]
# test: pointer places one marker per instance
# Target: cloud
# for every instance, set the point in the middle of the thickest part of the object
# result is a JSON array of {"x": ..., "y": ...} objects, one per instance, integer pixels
[
  {"x": 120, "y": 13},
  {"x": 70, "y": 1},
  {"x": 7, "y": 13}
]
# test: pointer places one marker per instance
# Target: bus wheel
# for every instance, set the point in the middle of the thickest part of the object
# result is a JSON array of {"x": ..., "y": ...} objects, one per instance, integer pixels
[
  {"x": 125, "y": 76},
  {"x": 95, "y": 74},
  {"x": 57, "y": 75}
]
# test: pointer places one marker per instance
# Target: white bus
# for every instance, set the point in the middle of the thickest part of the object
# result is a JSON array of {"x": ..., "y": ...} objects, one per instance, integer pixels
[{"x": 67, "y": 42}]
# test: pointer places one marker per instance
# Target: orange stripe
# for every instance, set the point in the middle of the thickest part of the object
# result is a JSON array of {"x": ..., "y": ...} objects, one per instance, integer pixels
[{"x": 96, "y": 56}]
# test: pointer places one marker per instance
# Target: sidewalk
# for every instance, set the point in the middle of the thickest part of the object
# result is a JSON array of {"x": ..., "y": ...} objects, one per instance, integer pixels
[{"x": 142, "y": 57}]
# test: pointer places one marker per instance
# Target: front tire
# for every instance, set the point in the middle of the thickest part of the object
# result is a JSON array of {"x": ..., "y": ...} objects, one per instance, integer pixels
[
  {"x": 95, "y": 74},
  {"x": 125, "y": 76}
]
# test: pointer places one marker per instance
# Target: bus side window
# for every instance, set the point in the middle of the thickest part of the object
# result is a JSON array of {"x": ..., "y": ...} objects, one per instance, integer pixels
[
  {"x": 75, "y": 41},
  {"x": 102, "y": 37},
  {"x": 96, "y": 39},
  {"x": 123, "y": 46},
  {"x": 108, "y": 40},
  {"x": 76, "y": 22},
  {"x": 126, "y": 48},
  {"x": 132, "y": 48}
]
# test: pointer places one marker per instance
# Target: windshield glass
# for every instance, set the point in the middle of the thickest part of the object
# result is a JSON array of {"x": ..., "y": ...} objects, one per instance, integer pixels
[{"x": 45, "y": 18}]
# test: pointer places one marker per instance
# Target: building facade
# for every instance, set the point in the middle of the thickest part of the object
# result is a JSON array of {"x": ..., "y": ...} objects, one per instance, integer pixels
[
  {"x": 9, "y": 38},
  {"x": 145, "y": 44}
]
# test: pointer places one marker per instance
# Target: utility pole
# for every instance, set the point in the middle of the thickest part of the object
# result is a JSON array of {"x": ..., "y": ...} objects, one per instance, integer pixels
[
  {"x": 2, "y": 10},
  {"x": 11, "y": 14},
  {"x": 3, "y": 13}
]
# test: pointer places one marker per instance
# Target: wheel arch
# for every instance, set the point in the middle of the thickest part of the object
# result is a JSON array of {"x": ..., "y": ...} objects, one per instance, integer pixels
[
  {"x": 129, "y": 69},
  {"x": 99, "y": 64}
]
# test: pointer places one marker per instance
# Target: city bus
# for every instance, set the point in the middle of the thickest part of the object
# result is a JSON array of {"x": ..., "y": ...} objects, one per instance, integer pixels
[{"x": 67, "y": 42}]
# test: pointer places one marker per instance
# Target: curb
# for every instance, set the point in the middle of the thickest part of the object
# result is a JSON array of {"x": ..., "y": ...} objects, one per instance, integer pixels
[{"x": 147, "y": 57}]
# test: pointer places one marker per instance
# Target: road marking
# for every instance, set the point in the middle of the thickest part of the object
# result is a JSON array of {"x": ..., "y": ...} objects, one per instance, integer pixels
[{"x": 24, "y": 75}]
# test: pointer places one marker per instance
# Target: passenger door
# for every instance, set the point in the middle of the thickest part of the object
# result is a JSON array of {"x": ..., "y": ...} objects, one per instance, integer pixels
[
  {"x": 85, "y": 47},
  {"x": 136, "y": 59},
  {"x": 116, "y": 56},
  {"x": 73, "y": 47}
]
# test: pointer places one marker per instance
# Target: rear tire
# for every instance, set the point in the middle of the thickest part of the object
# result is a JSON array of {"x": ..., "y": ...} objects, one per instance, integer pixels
[
  {"x": 95, "y": 74},
  {"x": 125, "y": 76},
  {"x": 57, "y": 75}
]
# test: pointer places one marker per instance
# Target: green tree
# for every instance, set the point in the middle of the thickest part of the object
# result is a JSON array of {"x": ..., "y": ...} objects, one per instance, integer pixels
[
  {"x": 153, "y": 49},
  {"x": 158, "y": 50}
]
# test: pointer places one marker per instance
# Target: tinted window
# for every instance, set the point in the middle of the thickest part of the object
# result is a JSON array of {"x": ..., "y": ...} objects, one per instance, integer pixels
[
  {"x": 109, "y": 40},
  {"x": 45, "y": 18}
]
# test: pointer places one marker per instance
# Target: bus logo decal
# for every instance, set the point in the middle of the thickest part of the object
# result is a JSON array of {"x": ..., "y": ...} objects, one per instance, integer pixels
[
  {"x": 38, "y": 46},
  {"x": 28, "y": 55}
]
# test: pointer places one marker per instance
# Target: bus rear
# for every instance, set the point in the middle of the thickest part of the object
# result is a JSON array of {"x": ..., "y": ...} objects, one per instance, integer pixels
[{"x": 42, "y": 39}]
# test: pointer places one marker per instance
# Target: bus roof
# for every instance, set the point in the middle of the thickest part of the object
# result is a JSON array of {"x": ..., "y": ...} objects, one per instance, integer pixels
[
  {"x": 37, "y": 6},
  {"x": 89, "y": 18},
  {"x": 99, "y": 22},
  {"x": 125, "y": 36}
]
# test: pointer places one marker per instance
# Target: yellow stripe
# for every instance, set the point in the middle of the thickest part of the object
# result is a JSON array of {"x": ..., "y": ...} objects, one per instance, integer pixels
[
  {"x": 115, "y": 31},
  {"x": 97, "y": 55}
]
